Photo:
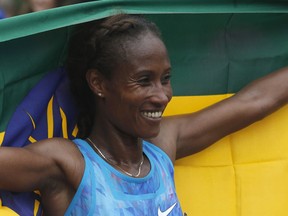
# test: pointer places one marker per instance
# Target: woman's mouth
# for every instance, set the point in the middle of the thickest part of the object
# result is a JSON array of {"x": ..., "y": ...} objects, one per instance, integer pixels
[{"x": 152, "y": 115}]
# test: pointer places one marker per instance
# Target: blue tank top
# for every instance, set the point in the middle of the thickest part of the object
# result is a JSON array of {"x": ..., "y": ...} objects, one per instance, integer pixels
[{"x": 106, "y": 191}]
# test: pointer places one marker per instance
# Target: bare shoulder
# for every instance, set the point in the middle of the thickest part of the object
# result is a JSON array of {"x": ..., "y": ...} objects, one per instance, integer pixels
[
  {"x": 57, "y": 170},
  {"x": 167, "y": 137},
  {"x": 180, "y": 134},
  {"x": 54, "y": 146},
  {"x": 58, "y": 149},
  {"x": 64, "y": 153},
  {"x": 45, "y": 165}
]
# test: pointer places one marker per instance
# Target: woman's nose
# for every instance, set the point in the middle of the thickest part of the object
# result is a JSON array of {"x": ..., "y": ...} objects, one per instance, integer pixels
[{"x": 161, "y": 94}]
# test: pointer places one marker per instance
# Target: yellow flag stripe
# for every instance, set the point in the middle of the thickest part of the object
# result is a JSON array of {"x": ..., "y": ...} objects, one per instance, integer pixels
[
  {"x": 32, "y": 120},
  {"x": 31, "y": 139},
  {"x": 6, "y": 211},
  {"x": 36, "y": 207},
  {"x": 186, "y": 104},
  {"x": 75, "y": 131},
  {"x": 64, "y": 124},
  {"x": 2, "y": 134},
  {"x": 50, "y": 120}
]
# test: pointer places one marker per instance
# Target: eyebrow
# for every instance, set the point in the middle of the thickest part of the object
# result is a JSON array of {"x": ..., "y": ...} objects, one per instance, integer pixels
[{"x": 169, "y": 69}]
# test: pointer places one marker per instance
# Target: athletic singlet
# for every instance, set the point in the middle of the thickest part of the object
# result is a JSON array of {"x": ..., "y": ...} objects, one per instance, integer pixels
[{"x": 106, "y": 191}]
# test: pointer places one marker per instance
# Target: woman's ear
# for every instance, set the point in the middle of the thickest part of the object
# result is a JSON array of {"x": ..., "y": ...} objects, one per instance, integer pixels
[{"x": 95, "y": 81}]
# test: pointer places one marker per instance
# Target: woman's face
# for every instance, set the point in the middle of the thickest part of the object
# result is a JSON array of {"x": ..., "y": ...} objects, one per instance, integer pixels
[
  {"x": 38, "y": 5},
  {"x": 140, "y": 89}
]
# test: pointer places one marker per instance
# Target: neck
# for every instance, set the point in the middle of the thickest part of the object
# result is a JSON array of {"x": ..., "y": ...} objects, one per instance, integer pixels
[
  {"x": 116, "y": 165},
  {"x": 129, "y": 168},
  {"x": 122, "y": 151},
  {"x": 117, "y": 147}
]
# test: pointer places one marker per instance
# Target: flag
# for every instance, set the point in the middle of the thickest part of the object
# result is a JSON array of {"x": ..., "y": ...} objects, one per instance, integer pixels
[
  {"x": 215, "y": 49},
  {"x": 47, "y": 111}
]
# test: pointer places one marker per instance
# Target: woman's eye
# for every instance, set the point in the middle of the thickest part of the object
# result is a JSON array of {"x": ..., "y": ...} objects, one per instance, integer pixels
[
  {"x": 166, "y": 79},
  {"x": 144, "y": 81}
]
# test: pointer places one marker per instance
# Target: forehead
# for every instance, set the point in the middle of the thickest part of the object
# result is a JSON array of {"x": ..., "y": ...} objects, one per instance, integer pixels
[
  {"x": 146, "y": 45},
  {"x": 147, "y": 52}
]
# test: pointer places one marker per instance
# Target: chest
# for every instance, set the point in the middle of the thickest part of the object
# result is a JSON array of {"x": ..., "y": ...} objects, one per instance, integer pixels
[{"x": 117, "y": 194}]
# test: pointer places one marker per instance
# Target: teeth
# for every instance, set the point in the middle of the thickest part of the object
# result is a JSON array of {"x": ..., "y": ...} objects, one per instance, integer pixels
[{"x": 152, "y": 114}]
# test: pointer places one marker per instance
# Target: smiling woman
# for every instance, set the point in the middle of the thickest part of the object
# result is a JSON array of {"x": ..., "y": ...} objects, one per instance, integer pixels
[
  {"x": 131, "y": 94},
  {"x": 127, "y": 68},
  {"x": 122, "y": 161}
]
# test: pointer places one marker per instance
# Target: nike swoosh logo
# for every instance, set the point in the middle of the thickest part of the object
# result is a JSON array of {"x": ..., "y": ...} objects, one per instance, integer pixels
[{"x": 167, "y": 212}]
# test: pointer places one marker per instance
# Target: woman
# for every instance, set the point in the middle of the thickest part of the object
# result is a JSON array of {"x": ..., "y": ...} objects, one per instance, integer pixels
[{"x": 120, "y": 75}]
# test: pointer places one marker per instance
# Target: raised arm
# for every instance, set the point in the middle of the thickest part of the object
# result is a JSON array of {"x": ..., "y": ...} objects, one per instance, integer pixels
[
  {"x": 184, "y": 135},
  {"x": 54, "y": 167},
  {"x": 37, "y": 165}
]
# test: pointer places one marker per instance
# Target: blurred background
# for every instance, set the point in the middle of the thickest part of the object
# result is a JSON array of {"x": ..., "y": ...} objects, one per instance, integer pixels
[{"x": 9, "y": 8}]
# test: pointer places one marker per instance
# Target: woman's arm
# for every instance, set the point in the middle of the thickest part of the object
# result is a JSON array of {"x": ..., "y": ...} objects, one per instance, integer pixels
[
  {"x": 184, "y": 135},
  {"x": 35, "y": 166}
]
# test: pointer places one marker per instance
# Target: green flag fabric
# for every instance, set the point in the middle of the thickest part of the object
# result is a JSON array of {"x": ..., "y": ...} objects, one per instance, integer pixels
[{"x": 207, "y": 41}]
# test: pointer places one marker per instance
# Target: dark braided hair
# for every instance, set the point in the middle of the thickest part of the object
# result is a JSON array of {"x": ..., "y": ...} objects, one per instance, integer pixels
[{"x": 100, "y": 45}]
